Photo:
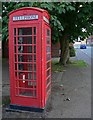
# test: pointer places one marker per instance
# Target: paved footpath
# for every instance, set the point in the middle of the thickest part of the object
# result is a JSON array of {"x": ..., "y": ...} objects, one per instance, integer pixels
[
  {"x": 76, "y": 99},
  {"x": 70, "y": 97}
]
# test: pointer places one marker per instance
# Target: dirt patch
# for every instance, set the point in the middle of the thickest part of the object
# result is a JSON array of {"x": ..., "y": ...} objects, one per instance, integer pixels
[
  {"x": 55, "y": 88},
  {"x": 5, "y": 100}
]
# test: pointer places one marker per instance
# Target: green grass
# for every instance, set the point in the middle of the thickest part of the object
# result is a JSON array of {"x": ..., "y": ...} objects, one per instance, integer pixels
[
  {"x": 57, "y": 67},
  {"x": 6, "y": 100},
  {"x": 79, "y": 63}
]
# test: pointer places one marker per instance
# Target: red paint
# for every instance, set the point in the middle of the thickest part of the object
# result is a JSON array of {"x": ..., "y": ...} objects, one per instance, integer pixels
[{"x": 30, "y": 60}]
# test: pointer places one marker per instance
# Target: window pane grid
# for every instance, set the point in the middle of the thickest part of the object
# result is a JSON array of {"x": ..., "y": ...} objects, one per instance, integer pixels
[
  {"x": 48, "y": 87},
  {"x": 26, "y": 84},
  {"x": 25, "y": 31},
  {"x": 48, "y": 80},
  {"x": 48, "y": 60},
  {"x": 24, "y": 92},
  {"x": 25, "y": 61}
]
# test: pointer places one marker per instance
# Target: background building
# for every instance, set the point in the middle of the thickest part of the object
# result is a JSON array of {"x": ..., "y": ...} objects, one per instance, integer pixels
[{"x": 90, "y": 40}]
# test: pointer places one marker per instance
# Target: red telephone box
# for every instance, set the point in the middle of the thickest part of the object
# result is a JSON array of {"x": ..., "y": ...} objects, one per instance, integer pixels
[{"x": 29, "y": 58}]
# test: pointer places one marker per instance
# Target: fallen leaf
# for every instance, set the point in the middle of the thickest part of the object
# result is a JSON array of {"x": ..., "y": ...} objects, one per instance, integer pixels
[{"x": 67, "y": 99}]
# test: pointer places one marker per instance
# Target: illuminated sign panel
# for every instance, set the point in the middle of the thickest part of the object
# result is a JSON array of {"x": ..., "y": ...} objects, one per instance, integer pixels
[
  {"x": 45, "y": 19},
  {"x": 29, "y": 17}
]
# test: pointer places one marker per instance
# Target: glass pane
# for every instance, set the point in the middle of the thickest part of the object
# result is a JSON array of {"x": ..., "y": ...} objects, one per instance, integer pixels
[
  {"x": 48, "y": 56},
  {"x": 48, "y": 49},
  {"x": 30, "y": 68},
  {"x": 48, "y": 88},
  {"x": 34, "y": 93},
  {"x": 14, "y": 31},
  {"x": 34, "y": 30},
  {"x": 20, "y": 58},
  {"x": 48, "y": 40},
  {"x": 15, "y": 40},
  {"x": 30, "y": 76},
  {"x": 15, "y": 66},
  {"x": 25, "y": 31},
  {"x": 15, "y": 58},
  {"x": 24, "y": 58},
  {"x": 34, "y": 76},
  {"x": 48, "y": 32},
  {"x": 28, "y": 40},
  {"x": 48, "y": 73},
  {"x": 24, "y": 49},
  {"x": 20, "y": 67},
  {"x": 30, "y": 84},
  {"x": 34, "y": 84},
  {"x": 34, "y": 67},
  {"x": 25, "y": 40},
  {"x": 48, "y": 65},
  {"x": 22, "y": 83},
  {"x": 34, "y": 39},
  {"x": 20, "y": 49},
  {"x": 15, "y": 49},
  {"x": 20, "y": 31},
  {"x": 34, "y": 49},
  {"x": 29, "y": 49},
  {"x": 20, "y": 40},
  {"x": 26, "y": 67},
  {"x": 29, "y": 58},
  {"x": 34, "y": 58},
  {"x": 48, "y": 80},
  {"x": 16, "y": 74},
  {"x": 25, "y": 75},
  {"x": 25, "y": 92}
]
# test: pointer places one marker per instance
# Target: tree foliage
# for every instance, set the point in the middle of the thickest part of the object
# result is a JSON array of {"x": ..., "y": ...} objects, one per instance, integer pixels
[
  {"x": 68, "y": 19},
  {"x": 0, "y": 17}
]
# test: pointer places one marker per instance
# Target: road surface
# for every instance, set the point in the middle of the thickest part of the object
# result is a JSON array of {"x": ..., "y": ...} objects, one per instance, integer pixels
[{"x": 84, "y": 54}]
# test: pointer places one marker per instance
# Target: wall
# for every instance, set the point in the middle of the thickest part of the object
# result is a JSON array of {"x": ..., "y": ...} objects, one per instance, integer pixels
[
  {"x": 55, "y": 50},
  {"x": 90, "y": 40}
]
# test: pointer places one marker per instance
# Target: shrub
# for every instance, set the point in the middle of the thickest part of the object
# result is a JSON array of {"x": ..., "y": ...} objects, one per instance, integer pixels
[{"x": 72, "y": 51}]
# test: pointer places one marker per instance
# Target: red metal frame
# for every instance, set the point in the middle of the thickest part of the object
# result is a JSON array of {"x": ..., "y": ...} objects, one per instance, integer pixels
[{"x": 19, "y": 82}]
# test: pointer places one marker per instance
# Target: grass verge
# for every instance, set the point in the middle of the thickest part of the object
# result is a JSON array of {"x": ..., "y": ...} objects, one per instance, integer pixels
[
  {"x": 6, "y": 100},
  {"x": 57, "y": 67},
  {"x": 79, "y": 63}
]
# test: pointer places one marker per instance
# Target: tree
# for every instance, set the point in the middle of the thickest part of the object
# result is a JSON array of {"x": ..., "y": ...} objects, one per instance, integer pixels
[{"x": 67, "y": 21}]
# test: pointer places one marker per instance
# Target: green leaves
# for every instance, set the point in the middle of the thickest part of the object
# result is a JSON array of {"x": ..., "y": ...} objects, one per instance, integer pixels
[
  {"x": 56, "y": 23},
  {"x": 5, "y": 34},
  {"x": 61, "y": 10},
  {"x": 8, "y": 7},
  {"x": 69, "y": 7},
  {"x": 66, "y": 17},
  {"x": 47, "y": 6}
]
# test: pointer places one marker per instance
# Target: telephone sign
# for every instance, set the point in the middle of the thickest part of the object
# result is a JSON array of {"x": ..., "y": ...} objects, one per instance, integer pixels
[{"x": 30, "y": 17}]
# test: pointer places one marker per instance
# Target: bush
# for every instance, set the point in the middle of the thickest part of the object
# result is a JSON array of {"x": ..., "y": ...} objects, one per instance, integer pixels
[{"x": 72, "y": 51}]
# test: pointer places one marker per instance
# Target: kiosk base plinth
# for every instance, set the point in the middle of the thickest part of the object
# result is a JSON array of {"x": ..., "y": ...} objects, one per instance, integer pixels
[{"x": 18, "y": 108}]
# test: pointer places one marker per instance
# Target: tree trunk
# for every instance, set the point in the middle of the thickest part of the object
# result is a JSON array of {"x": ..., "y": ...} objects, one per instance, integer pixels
[{"x": 64, "y": 46}]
